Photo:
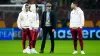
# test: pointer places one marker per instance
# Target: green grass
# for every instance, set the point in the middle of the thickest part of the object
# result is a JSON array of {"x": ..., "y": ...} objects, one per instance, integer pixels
[{"x": 62, "y": 48}]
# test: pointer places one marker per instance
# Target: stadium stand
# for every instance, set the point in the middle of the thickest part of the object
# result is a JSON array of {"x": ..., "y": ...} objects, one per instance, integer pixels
[{"x": 62, "y": 11}]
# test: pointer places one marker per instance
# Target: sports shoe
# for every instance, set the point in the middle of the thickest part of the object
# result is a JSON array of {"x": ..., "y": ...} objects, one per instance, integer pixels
[
  {"x": 27, "y": 48},
  {"x": 51, "y": 52},
  {"x": 41, "y": 51},
  {"x": 34, "y": 51},
  {"x": 24, "y": 51},
  {"x": 75, "y": 52},
  {"x": 28, "y": 51},
  {"x": 82, "y": 52}
]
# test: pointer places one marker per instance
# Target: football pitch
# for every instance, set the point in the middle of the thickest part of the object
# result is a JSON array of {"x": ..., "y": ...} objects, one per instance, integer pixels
[{"x": 62, "y": 48}]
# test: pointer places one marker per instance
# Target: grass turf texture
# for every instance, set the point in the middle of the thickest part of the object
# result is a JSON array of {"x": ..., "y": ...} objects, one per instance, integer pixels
[{"x": 62, "y": 48}]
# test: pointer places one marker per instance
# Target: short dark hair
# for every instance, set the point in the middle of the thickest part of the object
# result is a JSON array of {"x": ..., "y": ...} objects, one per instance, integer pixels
[
  {"x": 75, "y": 3},
  {"x": 37, "y": 6},
  {"x": 26, "y": 4}
]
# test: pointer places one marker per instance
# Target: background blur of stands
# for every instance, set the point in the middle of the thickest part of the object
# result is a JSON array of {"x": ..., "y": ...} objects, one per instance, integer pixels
[
  {"x": 91, "y": 8},
  {"x": 8, "y": 15}
]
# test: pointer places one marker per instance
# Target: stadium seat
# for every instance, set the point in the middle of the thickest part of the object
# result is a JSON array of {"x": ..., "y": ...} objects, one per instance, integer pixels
[
  {"x": 2, "y": 24},
  {"x": 59, "y": 25},
  {"x": 68, "y": 24},
  {"x": 15, "y": 25},
  {"x": 98, "y": 23},
  {"x": 89, "y": 24}
]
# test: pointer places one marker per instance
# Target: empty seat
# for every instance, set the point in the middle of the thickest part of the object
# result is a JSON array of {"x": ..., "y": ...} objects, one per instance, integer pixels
[
  {"x": 68, "y": 24},
  {"x": 15, "y": 25},
  {"x": 2, "y": 24},
  {"x": 98, "y": 24},
  {"x": 59, "y": 25},
  {"x": 89, "y": 24}
]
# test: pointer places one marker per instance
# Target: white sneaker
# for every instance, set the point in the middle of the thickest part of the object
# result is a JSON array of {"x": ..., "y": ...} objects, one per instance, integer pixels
[
  {"x": 75, "y": 52},
  {"x": 34, "y": 51},
  {"x": 82, "y": 52},
  {"x": 27, "y": 48},
  {"x": 28, "y": 51},
  {"x": 24, "y": 51}
]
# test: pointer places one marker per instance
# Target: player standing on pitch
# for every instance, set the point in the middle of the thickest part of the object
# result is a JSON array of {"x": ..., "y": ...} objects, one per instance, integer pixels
[
  {"x": 24, "y": 24},
  {"x": 76, "y": 24},
  {"x": 35, "y": 26}
]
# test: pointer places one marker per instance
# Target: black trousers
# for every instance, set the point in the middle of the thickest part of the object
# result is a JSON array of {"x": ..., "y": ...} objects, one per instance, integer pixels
[{"x": 47, "y": 30}]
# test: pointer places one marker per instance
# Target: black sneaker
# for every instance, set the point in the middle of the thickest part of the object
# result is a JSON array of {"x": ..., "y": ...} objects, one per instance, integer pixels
[
  {"x": 51, "y": 52},
  {"x": 41, "y": 52}
]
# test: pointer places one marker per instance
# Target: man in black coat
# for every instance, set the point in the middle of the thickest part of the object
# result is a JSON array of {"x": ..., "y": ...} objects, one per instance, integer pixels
[{"x": 48, "y": 24}]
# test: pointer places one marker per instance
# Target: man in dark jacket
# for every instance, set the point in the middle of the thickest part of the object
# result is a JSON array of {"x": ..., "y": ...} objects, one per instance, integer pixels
[{"x": 48, "y": 24}]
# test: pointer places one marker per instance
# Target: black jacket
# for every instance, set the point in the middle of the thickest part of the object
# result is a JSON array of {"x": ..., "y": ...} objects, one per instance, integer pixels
[{"x": 52, "y": 19}]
